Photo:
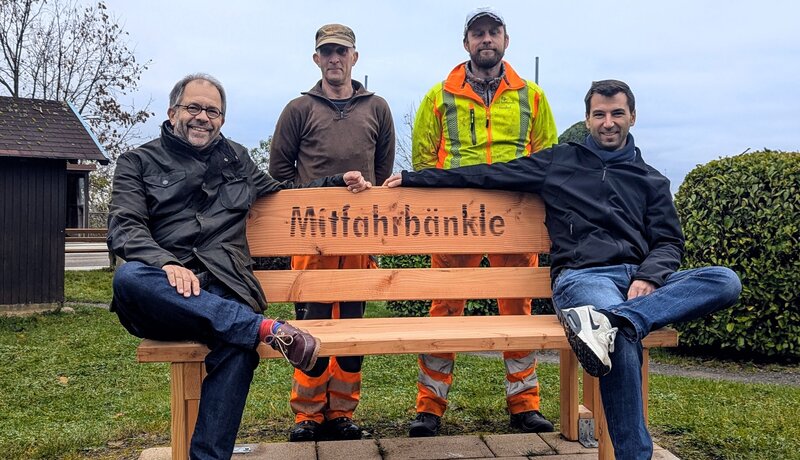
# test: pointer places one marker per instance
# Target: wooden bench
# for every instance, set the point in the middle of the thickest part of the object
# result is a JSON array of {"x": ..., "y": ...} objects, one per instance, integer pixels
[
  {"x": 88, "y": 241},
  {"x": 404, "y": 221},
  {"x": 85, "y": 235}
]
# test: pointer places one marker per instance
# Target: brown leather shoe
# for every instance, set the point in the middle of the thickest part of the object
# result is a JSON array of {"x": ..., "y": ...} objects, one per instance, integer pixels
[{"x": 296, "y": 345}]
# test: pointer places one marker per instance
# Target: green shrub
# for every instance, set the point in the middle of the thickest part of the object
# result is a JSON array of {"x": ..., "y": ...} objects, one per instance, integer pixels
[
  {"x": 575, "y": 133},
  {"x": 474, "y": 306},
  {"x": 743, "y": 212},
  {"x": 272, "y": 263}
]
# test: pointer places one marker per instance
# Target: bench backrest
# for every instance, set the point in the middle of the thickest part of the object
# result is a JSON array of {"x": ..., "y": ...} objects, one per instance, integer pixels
[{"x": 333, "y": 221}]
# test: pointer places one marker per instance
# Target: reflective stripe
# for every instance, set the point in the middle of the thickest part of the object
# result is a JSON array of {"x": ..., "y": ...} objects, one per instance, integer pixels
[
  {"x": 524, "y": 121},
  {"x": 451, "y": 121},
  {"x": 529, "y": 382},
  {"x": 344, "y": 388},
  {"x": 308, "y": 392},
  {"x": 436, "y": 364},
  {"x": 437, "y": 387},
  {"x": 343, "y": 396},
  {"x": 521, "y": 374},
  {"x": 520, "y": 364},
  {"x": 309, "y": 395},
  {"x": 308, "y": 400}
]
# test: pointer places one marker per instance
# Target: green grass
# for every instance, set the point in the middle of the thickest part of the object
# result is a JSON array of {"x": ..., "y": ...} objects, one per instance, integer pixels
[
  {"x": 721, "y": 420},
  {"x": 71, "y": 388},
  {"x": 90, "y": 286}
]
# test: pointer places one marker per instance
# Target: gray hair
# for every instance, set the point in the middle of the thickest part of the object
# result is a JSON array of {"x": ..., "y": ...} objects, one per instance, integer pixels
[{"x": 177, "y": 90}]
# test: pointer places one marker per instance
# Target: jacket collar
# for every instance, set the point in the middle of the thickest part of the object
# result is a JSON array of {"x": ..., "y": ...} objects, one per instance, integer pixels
[
  {"x": 624, "y": 155},
  {"x": 456, "y": 82},
  {"x": 637, "y": 162},
  {"x": 176, "y": 144},
  {"x": 358, "y": 91}
]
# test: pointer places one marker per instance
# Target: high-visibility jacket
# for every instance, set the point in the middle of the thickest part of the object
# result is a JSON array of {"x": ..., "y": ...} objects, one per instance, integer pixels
[{"x": 453, "y": 127}]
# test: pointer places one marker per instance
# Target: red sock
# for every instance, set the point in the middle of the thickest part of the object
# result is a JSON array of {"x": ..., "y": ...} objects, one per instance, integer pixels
[{"x": 265, "y": 329}]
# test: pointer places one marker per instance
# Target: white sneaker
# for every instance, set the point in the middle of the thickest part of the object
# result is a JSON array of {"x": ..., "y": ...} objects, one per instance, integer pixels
[{"x": 591, "y": 337}]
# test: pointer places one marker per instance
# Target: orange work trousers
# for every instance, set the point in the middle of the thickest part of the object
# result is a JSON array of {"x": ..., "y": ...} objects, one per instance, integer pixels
[
  {"x": 332, "y": 388},
  {"x": 436, "y": 370}
]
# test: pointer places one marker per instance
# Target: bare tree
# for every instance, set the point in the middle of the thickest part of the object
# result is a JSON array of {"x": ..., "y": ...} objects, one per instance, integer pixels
[
  {"x": 403, "y": 158},
  {"x": 62, "y": 51},
  {"x": 16, "y": 19},
  {"x": 260, "y": 154}
]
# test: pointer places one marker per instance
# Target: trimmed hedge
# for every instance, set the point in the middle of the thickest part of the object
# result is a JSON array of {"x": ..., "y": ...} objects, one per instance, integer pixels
[
  {"x": 743, "y": 212},
  {"x": 474, "y": 307}
]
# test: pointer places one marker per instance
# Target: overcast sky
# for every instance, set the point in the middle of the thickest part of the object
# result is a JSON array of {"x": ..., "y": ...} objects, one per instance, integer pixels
[{"x": 711, "y": 78}]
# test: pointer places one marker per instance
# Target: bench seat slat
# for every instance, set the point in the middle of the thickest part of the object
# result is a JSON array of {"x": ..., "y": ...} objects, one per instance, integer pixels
[
  {"x": 406, "y": 283},
  {"x": 411, "y": 335}
]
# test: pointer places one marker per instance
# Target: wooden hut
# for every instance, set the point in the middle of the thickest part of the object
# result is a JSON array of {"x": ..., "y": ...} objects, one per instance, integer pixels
[{"x": 42, "y": 188}]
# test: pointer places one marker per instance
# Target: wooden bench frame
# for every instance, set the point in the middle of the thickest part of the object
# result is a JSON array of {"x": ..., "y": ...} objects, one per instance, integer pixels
[
  {"x": 88, "y": 235},
  {"x": 404, "y": 221},
  {"x": 85, "y": 235}
]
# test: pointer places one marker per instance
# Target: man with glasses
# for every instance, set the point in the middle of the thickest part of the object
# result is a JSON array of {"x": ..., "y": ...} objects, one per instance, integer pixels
[
  {"x": 334, "y": 127},
  {"x": 482, "y": 113},
  {"x": 177, "y": 216}
]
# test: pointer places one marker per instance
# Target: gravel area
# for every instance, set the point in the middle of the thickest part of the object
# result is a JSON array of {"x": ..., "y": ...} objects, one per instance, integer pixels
[{"x": 790, "y": 375}]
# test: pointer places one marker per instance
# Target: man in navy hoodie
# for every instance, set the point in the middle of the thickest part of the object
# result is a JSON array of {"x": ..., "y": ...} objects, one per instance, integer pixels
[{"x": 616, "y": 248}]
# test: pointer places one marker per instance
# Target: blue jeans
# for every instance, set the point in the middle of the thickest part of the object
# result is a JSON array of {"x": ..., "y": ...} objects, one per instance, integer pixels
[
  {"x": 149, "y": 307},
  {"x": 685, "y": 296}
]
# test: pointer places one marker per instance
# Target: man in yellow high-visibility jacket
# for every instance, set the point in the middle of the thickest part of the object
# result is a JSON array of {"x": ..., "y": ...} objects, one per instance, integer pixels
[{"x": 482, "y": 113}]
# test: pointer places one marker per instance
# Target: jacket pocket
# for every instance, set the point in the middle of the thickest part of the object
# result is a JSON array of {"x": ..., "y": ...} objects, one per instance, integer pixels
[
  {"x": 235, "y": 194},
  {"x": 164, "y": 192}
]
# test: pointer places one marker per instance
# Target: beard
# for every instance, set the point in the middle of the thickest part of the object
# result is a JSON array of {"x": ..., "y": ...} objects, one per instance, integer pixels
[{"x": 485, "y": 60}]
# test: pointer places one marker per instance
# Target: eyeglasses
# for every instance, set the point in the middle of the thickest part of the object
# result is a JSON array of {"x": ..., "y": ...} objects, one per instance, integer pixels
[
  {"x": 329, "y": 50},
  {"x": 195, "y": 110}
]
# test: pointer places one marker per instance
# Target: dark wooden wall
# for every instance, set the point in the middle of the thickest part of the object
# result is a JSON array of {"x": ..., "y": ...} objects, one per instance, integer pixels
[{"x": 32, "y": 216}]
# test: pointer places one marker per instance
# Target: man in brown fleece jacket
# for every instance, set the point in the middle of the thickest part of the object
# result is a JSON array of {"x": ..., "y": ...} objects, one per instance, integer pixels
[{"x": 334, "y": 127}]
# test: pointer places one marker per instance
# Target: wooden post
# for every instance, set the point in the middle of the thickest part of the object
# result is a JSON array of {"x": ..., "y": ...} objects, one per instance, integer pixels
[
  {"x": 568, "y": 372},
  {"x": 186, "y": 380},
  {"x": 606, "y": 450}
]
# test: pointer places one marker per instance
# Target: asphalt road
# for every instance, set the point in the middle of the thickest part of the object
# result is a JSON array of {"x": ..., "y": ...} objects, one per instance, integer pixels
[{"x": 86, "y": 261}]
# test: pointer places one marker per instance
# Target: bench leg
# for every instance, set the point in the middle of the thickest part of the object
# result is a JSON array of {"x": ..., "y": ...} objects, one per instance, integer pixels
[
  {"x": 592, "y": 399},
  {"x": 185, "y": 383},
  {"x": 568, "y": 372},
  {"x": 593, "y": 402}
]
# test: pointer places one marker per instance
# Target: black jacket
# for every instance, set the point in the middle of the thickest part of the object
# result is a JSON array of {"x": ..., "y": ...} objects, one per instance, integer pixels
[
  {"x": 598, "y": 213},
  {"x": 173, "y": 204}
]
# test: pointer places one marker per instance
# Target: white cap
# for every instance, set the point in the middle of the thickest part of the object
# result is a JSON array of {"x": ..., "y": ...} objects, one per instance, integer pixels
[{"x": 479, "y": 13}]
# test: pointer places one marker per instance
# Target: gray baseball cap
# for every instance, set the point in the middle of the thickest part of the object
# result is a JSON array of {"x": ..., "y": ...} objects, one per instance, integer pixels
[{"x": 481, "y": 12}]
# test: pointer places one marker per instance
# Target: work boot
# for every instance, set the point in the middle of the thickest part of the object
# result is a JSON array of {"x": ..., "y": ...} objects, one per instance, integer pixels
[
  {"x": 342, "y": 428},
  {"x": 296, "y": 345},
  {"x": 307, "y": 430},
  {"x": 591, "y": 337},
  {"x": 425, "y": 425},
  {"x": 531, "y": 421}
]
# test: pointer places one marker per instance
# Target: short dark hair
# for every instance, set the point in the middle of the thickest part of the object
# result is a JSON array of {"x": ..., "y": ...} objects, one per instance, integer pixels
[
  {"x": 609, "y": 88},
  {"x": 177, "y": 90}
]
